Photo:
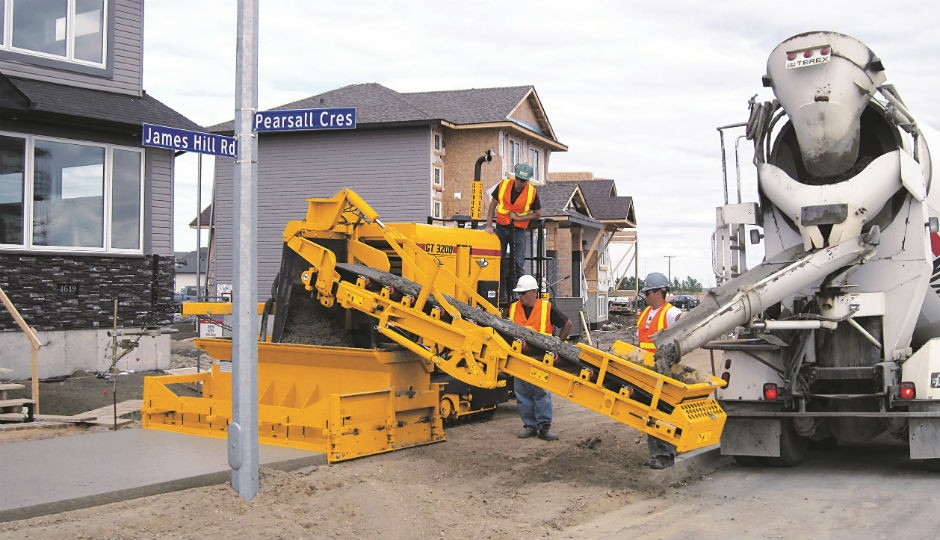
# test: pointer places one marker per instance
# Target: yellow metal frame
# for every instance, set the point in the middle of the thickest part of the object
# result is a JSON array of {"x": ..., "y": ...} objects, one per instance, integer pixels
[
  {"x": 341, "y": 401},
  {"x": 476, "y": 354},
  {"x": 350, "y": 407}
]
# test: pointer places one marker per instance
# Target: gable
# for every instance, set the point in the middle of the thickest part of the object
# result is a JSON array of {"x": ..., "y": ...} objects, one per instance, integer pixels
[{"x": 529, "y": 114}]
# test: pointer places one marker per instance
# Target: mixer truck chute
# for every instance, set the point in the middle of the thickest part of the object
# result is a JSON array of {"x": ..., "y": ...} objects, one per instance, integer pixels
[{"x": 835, "y": 336}]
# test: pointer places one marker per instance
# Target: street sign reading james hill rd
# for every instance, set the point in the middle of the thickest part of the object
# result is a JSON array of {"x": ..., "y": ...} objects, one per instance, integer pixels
[
  {"x": 188, "y": 141},
  {"x": 209, "y": 143},
  {"x": 306, "y": 119}
]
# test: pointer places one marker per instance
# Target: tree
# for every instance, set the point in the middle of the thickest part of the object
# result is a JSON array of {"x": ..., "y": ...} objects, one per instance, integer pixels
[
  {"x": 687, "y": 285},
  {"x": 628, "y": 283}
]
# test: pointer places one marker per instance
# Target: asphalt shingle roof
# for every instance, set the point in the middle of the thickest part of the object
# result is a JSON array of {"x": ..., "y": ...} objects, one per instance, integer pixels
[
  {"x": 186, "y": 261},
  {"x": 474, "y": 106},
  {"x": 601, "y": 197},
  {"x": 377, "y": 104},
  {"x": 554, "y": 197},
  {"x": 204, "y": 218},
  {"x": 599, "y": 194},
  {"x": 95, "y": 105}
]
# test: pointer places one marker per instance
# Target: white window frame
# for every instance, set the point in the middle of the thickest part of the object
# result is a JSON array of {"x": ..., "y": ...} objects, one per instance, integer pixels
[
  {"x": 107, "y": 194},
  {"x": 515, "y": 153},
  {"x": 437, "y": 209},
  {"x": 535, "y": 159},
  {"x": 6, "y": 35},
  {"x": 438, "y": 143},
  {"x": 437, "y": 176}
]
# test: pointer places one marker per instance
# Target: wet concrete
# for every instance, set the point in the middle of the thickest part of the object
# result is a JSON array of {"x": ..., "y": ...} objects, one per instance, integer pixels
[{"x": 47, "y": 476}]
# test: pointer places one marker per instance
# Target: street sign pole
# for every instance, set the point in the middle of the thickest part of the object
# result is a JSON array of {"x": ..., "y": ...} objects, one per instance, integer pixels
[
  {"x": 200, "y": 297},
  {"x": 243, "y": 431}
]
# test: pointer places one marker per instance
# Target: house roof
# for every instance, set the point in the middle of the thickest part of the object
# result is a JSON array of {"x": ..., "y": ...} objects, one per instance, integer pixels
[
  {"x": 378, "y": 105},
  {"x": 186, "y": 261},
  {"x": 599, "y": 194},
  {"x": 205, "y": 217},
  {"x": 605, "y": 205},
  {"x": 91, "y": 106},
  {"x": 557, "y": 198}
]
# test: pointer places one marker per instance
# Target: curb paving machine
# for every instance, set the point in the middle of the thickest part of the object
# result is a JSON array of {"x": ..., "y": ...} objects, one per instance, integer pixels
[
  {"x": 835, "y": 336},
  {"x": 407, "y": 301}
]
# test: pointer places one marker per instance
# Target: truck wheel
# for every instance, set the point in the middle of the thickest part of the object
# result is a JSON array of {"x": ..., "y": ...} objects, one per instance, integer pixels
[
  {"x": 448, "y": 411},
  {"x": 792, "y": 447},
  {"x": 828, "y": 443}
]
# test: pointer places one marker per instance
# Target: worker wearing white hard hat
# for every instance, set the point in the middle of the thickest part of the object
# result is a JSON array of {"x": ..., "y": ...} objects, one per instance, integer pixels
[{"x": 534, "y": 313}]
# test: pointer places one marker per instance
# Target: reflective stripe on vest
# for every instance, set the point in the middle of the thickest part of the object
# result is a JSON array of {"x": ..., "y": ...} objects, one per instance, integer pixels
[
  {"x": 646, "y": 330},
  {"x": 521, "y": 205},
  {"x": 538, "y": 318}
]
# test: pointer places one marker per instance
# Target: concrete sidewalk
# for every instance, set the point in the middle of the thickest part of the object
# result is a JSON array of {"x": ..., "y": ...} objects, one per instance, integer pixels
[{"x": 66, "y": 473}]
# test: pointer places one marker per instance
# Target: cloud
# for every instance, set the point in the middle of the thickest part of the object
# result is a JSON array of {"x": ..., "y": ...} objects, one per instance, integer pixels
[{"x": 635, "y": 90}]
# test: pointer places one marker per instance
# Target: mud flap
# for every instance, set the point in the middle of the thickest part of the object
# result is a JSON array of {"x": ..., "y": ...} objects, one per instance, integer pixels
[
  {"x": 925, "y": 433},
  {"x": 751, "y": 437}
]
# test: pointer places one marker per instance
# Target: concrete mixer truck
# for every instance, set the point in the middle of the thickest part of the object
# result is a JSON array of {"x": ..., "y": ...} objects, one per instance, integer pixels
[{"x": 835, "y": 336}]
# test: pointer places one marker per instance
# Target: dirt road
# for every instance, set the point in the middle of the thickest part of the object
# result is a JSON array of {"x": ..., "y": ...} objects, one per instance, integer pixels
[{"x": 482, "y": 482}]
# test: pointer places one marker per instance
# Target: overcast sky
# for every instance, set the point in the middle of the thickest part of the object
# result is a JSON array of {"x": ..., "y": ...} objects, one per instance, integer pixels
[{"x": 636, "y": 93}]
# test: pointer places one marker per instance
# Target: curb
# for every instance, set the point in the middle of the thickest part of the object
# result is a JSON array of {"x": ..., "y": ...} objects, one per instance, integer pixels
[{"x": 694, "y": 464}]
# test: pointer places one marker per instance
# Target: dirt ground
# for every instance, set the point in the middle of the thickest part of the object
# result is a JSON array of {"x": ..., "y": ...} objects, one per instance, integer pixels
[
  {"x": 482, "y": 482},
  {"x": 83, "y": 391}
]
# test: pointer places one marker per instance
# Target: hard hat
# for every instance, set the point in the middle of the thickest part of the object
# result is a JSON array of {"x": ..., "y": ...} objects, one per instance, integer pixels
[
  {"x": 523, "y": 171},
  {"x": 655, "y": 281},
  {"x": 526, "y": 283}
]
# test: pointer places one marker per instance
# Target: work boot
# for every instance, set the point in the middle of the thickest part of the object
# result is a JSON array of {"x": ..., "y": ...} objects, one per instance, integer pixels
[
  {"x": 546, "y": 434},
  {"x": 527, "y": 432}
]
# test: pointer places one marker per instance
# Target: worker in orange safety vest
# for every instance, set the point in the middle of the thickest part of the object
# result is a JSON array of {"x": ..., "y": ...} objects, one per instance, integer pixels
[
  {"x": 515, "y": 203},
  {"x": 658, "y": 315},
  {"x": 535, "y": 404}
]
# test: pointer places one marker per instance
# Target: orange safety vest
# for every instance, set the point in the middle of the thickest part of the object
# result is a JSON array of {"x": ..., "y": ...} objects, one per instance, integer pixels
[
  {"x": 521, "y": 205},
  {"x": 539, "y": 318},
  {"x": 644, "y": 330}
]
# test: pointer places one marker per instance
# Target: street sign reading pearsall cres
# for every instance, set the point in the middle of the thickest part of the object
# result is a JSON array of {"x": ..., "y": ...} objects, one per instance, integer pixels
[
  {"x": 188, "y": 141},
  {"x": 219, "y": 145},
  {"x": 305, "y": 119}
]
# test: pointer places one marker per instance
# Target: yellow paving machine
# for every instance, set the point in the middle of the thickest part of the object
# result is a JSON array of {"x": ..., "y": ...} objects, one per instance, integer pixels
[{"x": 366, "y": 317}]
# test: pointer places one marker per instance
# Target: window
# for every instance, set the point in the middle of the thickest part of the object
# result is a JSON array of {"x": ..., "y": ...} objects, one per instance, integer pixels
[
  {"x": 438, "y": 179},
  {"x": 70, "y": 30},
  {"x": 438, "y": 143},
  {"x": 68, "y": 195},
  {"x": 515, "y": 151},
  {"x": 125, "y": 199},
  {"x": 534, "y": 161},
  {"x": 12, "y": 181},
  {"x": 84, "y": 196},
  {"x": 436, "y": 209}
]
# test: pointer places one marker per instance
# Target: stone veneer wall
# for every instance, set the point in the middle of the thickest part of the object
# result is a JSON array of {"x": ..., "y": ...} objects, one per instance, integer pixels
[{"x": 70, "y": 292}]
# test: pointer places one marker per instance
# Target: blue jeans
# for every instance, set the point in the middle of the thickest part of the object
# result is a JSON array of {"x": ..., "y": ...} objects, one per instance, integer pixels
[
  {"x": 659, "y": 448},
  {"x": 512, "y": 246},
  {"x": 535, "y": 405}
]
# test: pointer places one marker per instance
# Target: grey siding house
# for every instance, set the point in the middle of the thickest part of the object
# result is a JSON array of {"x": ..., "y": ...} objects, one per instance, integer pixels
[
  {"x": 85, "y": 209},
  {"x": 411, "y": 157}
]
